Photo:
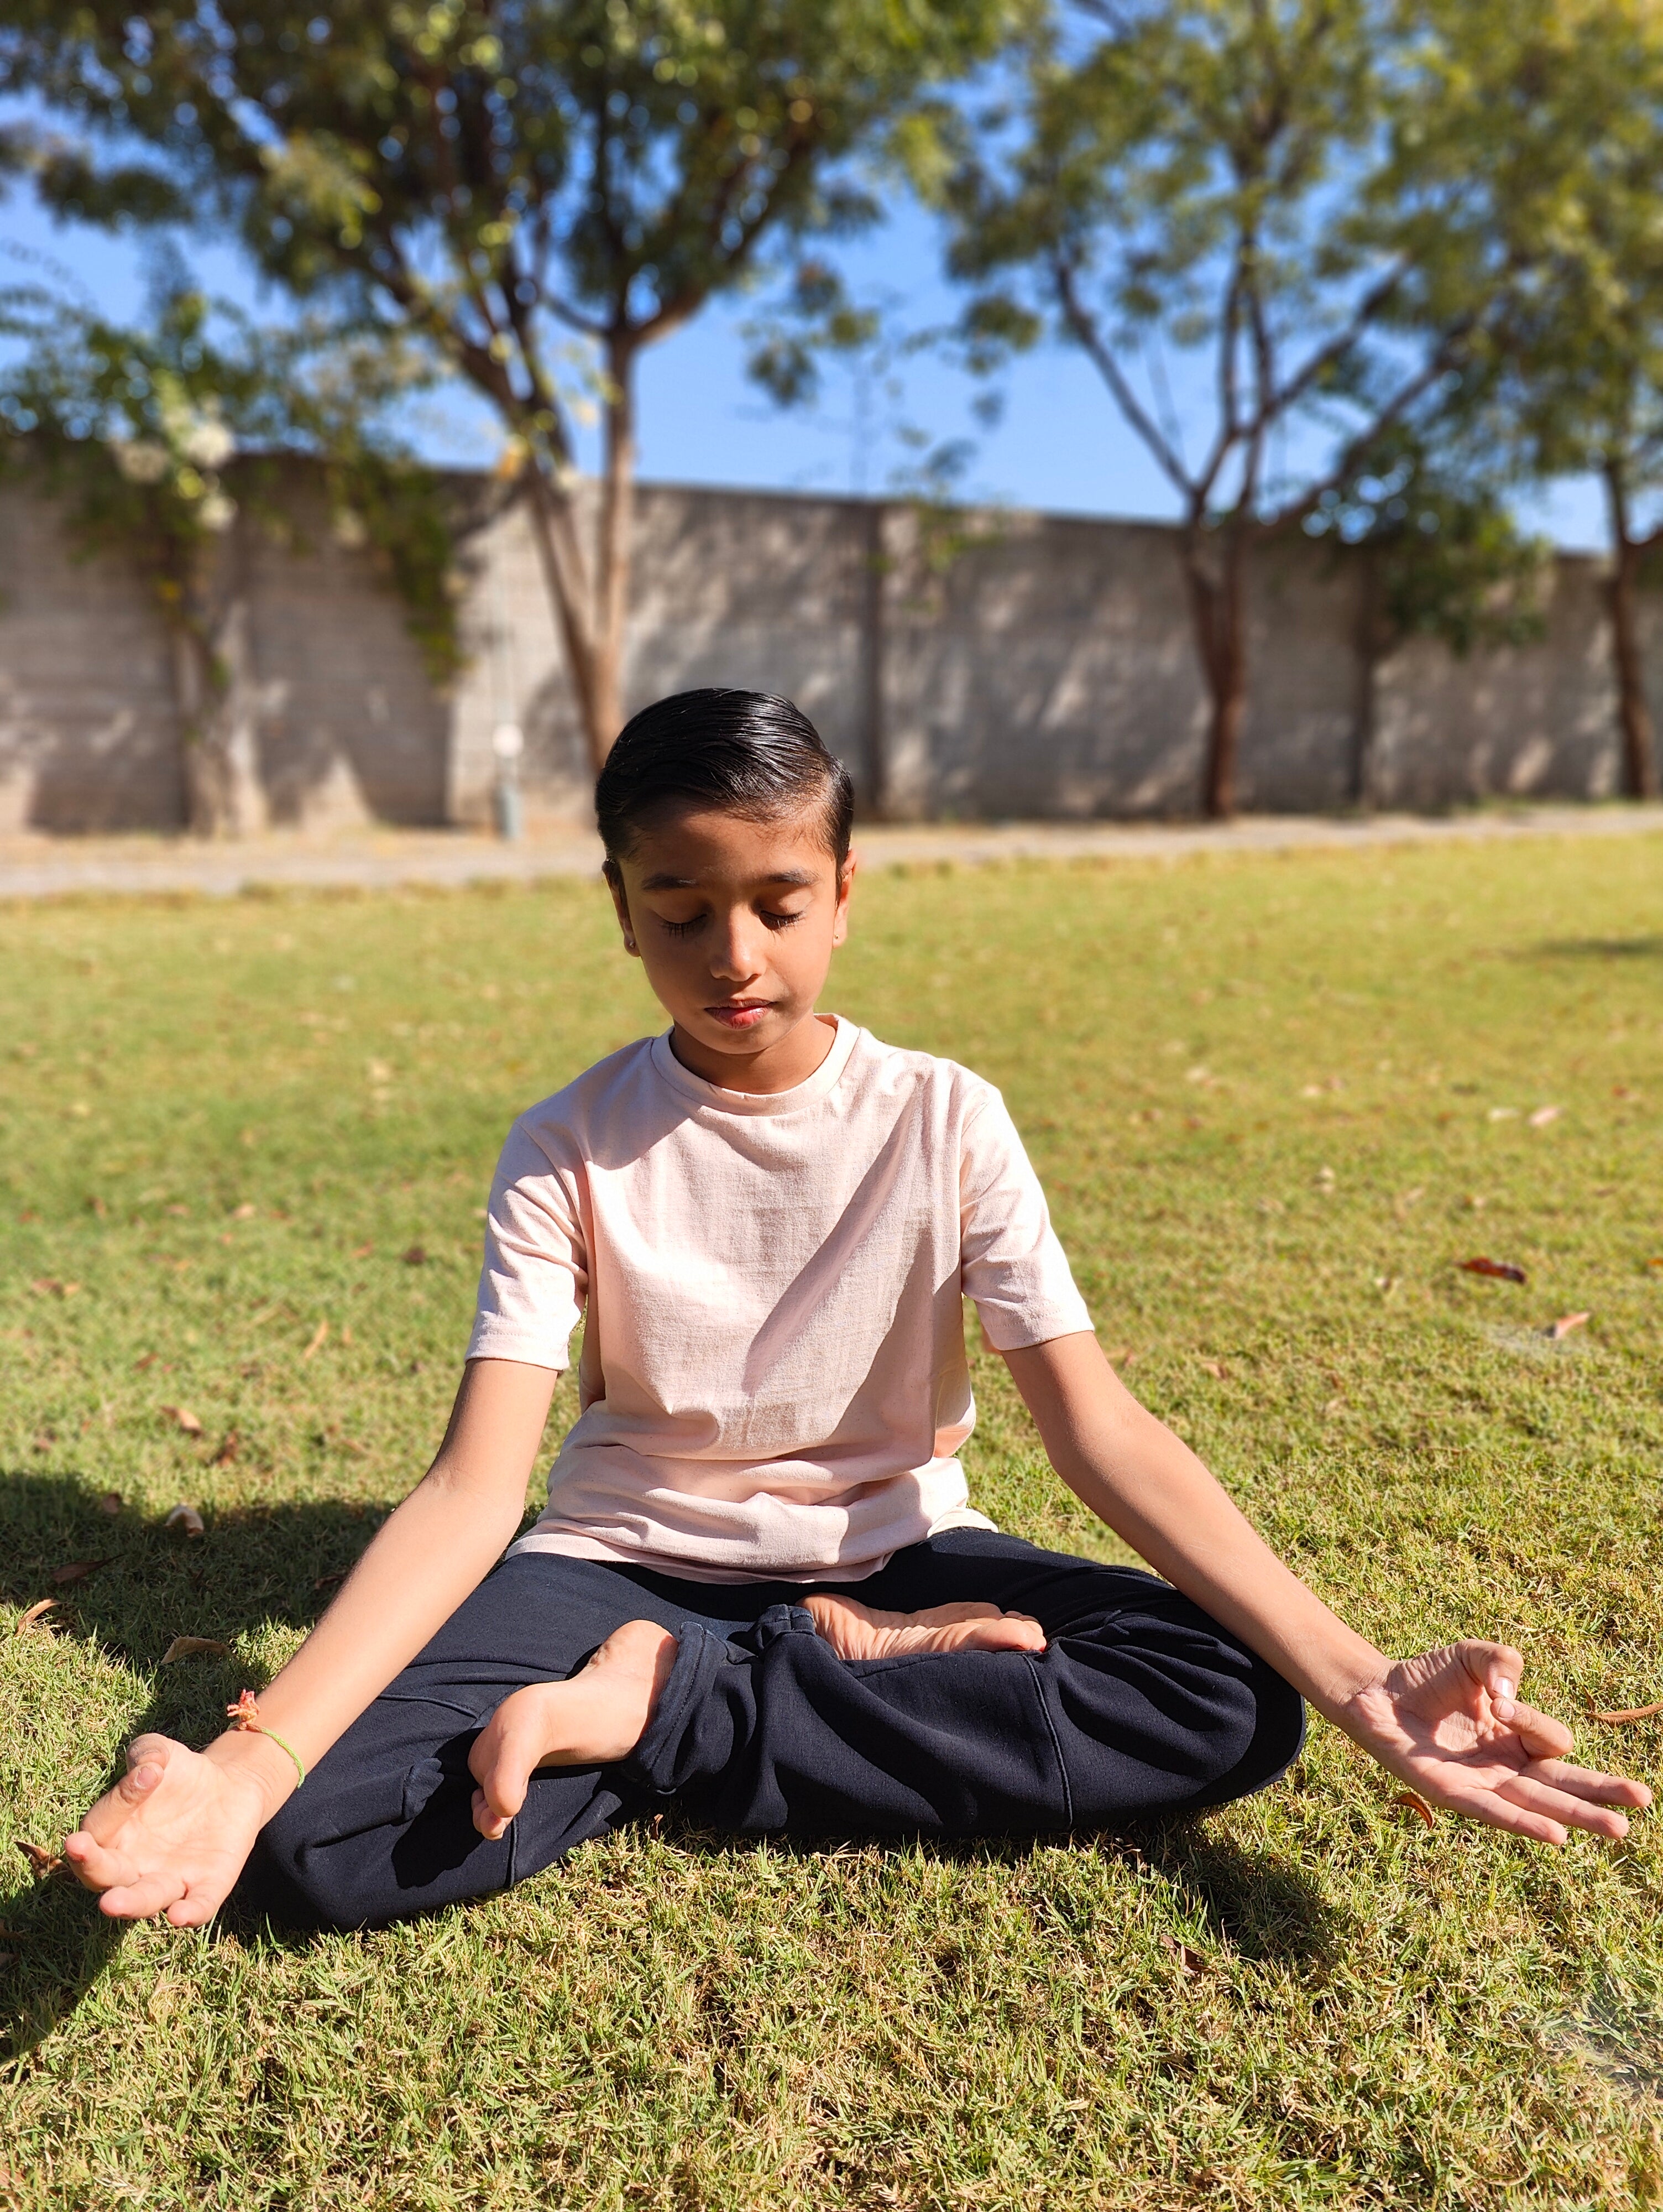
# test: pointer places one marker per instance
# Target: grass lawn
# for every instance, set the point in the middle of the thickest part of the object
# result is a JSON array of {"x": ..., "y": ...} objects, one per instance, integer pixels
[{"x": 243, "y": 1151}]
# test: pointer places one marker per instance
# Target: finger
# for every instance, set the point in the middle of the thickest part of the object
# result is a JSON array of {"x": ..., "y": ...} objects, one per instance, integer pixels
[
  {"x": 1560, "y": 1805},
  {"x": 93, "y": 1865},
  {"x": 147, "y": 1764},
  {"x": 1494, "y": 1811},
  {"x": 1542, "y": 1736},
  {"x": 1586, "y": 1782},
  {"x": 196, "y": 1908},
  {"x": 1496, "y": 1668},
  {"x": 142, "y": 1899}
]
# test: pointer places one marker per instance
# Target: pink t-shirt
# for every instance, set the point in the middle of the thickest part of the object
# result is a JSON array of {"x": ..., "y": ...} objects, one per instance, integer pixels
[{"x": 772, "y": 1380}]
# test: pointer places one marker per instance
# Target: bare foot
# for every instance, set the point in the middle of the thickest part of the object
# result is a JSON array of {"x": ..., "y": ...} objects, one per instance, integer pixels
[
  {"x": 596, "y": 1717},
  {"x": 861, "y": 1631}
]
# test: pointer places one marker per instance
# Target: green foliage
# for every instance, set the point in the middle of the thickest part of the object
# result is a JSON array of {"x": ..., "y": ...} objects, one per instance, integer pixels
[
  {"x": 1273, "y": 1101},
  {"x": 151, "y": 437},
  {"x": 494, "y": 181},
  {"x": 1448, "y": 557}
]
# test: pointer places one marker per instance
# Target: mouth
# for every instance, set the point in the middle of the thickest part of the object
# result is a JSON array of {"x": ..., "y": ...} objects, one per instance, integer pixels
[{"x": 739, "y": 1013}]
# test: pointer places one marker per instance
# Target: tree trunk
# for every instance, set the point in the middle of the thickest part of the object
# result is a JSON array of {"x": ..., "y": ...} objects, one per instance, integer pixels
[
  {"x": 617, "y": 527},
  {"x": 565, "y": 577},
  {"x": 1216, "y": 605},
  {"x": 1633, "y": 714}
]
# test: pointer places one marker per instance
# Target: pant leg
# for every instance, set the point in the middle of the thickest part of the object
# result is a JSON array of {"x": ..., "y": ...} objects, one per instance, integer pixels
[
  {"x": 383, "y": 1826},
  {"x": 1139, "y": 1703}
]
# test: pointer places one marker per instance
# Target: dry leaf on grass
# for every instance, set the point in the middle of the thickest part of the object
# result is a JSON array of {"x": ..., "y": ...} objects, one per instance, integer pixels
[
  {"x": 1503, "y": 1271},
  {"x": 185, "y": 1417},
  {"x": 145, "y": 1359},
  {"x": 319, "y": 1338},
  {"x": 1564, "y": 1325},
  {"x": 194, "y": 1647},
  {"x": 230, "y": 1445},
  {"x": 76, "y": 1571},
  {"x": 36, "y": 1613},
  {"x": 43, "y": 1862},
  {"x": 415, "y": 1256},
  {"x": 1188, "y": 1961},
  {"x": 185, "y": 1519},
  {"x": 1216, "y": 1369},
  {"x": 48, "y": 1286},
  {"x": 363, "y": 1251},
  {"x": 1543, "y": 1115},
  {"x": 331, "y": 1581},
  {"x": 1618, "y": 1715},
  {"x": 242, "y": 1212},
  {"x": 111, "y": 1501},
  {"x": 1416, "y": 1805}
]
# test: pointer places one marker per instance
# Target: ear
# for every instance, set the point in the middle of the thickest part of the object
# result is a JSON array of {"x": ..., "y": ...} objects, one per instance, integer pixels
[
  {"x": 614, "y": 876},
  {"x": 845, "y": 891}
]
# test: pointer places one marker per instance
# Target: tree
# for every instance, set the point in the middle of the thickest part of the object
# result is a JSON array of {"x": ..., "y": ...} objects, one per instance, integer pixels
[
  {"x": 1565, "y": 103},
  {"x": 1221, "y": 185},
  {"x": 540, "y": 191},
  {"x": 1429, "y": 530},
  {"x": 151, "y": 437}
]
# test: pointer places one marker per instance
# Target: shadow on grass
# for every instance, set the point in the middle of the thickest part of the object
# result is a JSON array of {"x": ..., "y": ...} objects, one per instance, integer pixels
[
  {"x": 254, "y": 1568},
  {"x": 1597, "y": 948}
]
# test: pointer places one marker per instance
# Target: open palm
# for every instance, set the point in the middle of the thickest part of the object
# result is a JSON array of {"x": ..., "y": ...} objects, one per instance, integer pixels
[
  {"x": 1450, "y": 1725},
  {"x": 171, "y": 1837}
]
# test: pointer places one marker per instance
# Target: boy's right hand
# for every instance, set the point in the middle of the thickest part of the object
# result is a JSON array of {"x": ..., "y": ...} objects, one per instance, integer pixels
[{"x": 171, "y": 1837}]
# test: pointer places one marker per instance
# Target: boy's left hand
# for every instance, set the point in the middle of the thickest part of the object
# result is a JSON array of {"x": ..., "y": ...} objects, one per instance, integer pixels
[{"x": 1450, "y": 1725}]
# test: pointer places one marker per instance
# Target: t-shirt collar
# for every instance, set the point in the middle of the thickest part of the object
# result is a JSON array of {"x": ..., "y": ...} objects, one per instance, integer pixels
[{"x": 713, "y": 1099}]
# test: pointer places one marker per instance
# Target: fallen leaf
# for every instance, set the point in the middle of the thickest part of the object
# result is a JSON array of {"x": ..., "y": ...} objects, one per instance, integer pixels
[
  {"x": 330, "y": 1582},
  {"x": 186, "y": 1420},
  {"x": 319, "y": 1337},
  {"x": 1405, "y": 1199},
  {"x": 1657, "y": 1262},
  {"x": 346, "y": 1333},
  {"x": 38, "y": 1611},
  {"x": 76, "y": 1571},
  {"x": 186, "y": 1518},
  {"x": 1543, "y": 1115},
  {"x": 1503, "y": 1271},
  {"x": 1564, "y": 1325},
  {"x": 1216, "y": 1369},
  {"x": 362, "y": 1251},
  {"x": 111, "y": 1501},
  {"x": 146, "y": 1359},
  {"x": 1619, "y": 1716},
  {"x": 49, "y": 1286},
  {"x": 229, "y": 1447},
  {"x": 1188, "y": 1961},
  {"x": 43, "y": 1862},
  {"x": 243, "y": 1212},
  {"x": 193, "y": 1647},
  {"x": 1503, "y": 1113},
  {"x": 417, "y": 1256},
  {"x": 1418, "y": 1805}
]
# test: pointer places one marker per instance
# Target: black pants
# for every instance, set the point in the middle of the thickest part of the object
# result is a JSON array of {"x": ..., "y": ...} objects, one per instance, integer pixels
[{"x": 1139, "y": 1703}]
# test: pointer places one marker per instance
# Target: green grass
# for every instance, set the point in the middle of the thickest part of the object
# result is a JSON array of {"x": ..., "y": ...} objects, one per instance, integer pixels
[{"x": 1275, "y": 1101}]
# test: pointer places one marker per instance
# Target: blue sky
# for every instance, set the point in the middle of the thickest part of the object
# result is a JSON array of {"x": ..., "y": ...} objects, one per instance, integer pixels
[{"x": 1060, "y": 446}]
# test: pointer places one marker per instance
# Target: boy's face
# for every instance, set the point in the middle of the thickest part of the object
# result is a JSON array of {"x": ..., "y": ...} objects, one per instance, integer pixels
[{"x": 735, "y": 923}]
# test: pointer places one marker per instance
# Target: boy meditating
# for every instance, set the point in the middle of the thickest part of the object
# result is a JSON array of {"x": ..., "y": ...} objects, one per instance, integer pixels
[{"x": 758, "y": 1591}]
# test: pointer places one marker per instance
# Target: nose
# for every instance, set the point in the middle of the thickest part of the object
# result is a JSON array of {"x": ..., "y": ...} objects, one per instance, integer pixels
[{"x": 736, "y": 952}]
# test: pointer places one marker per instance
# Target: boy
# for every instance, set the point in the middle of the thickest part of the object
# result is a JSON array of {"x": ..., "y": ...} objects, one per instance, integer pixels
[{"x": 758, "y": 1589}]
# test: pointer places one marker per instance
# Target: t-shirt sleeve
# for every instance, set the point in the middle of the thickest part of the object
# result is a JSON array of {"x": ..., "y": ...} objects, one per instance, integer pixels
[
  {"x": 535, "y": 1282},
  {"x": 1009, "y": 1259}
]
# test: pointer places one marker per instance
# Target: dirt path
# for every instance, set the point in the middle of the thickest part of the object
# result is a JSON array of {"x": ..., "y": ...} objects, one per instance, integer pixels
[{"x": 45, "y": 867}]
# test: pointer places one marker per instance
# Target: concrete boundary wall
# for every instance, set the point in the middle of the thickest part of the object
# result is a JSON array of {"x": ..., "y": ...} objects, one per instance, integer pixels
[{"x": 1044, "y": 671}]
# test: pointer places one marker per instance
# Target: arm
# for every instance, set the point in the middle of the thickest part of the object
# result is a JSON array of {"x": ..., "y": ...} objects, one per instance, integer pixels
[
  {"x": 1446, "y": 1723},
  {"x": 173, "y": 1835}
]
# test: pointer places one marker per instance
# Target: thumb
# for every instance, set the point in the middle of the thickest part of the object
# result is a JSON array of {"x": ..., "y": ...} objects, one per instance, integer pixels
[{"x": 1496, "y": 1669}]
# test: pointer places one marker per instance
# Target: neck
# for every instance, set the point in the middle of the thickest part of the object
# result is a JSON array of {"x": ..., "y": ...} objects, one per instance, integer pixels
[{"x": 782, "y": 1066}]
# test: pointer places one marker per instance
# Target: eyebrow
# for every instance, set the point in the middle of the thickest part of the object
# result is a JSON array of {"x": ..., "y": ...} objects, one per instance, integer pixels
[{"x": 792, "y": 878}]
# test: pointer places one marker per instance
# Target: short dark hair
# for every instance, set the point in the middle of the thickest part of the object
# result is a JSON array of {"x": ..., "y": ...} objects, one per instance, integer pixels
[{"x": 740, "y": 752}]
